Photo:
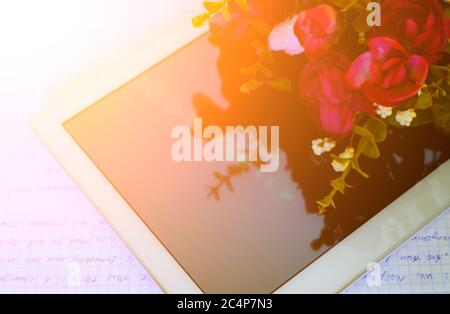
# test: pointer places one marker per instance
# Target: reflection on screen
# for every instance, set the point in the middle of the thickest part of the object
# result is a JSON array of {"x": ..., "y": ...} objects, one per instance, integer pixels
[{"x": 232, "y": 228}]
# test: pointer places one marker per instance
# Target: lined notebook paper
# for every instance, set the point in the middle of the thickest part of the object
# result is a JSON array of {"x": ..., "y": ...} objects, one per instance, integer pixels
[
  {"x": 421, "y": 264},
  {"x": 52, "y": 240}
]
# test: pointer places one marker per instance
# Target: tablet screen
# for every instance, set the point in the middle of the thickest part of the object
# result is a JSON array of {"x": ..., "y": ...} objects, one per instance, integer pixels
[{"x": 232, "y": 227}]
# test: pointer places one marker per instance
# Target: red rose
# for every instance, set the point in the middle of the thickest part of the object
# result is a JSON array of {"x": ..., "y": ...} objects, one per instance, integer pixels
[
  {"x": 387, "y": 74},
  {"x": 418, "y": 24},
  {"x": 316, "y": 30},
  {"x": 330, "y": 100}
]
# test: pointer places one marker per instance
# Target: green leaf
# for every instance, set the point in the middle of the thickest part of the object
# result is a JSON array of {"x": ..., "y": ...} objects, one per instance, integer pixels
[
  {"x": 447, "y": 10},
  {"x": 340, "y": 159},
  {"x": 339, "y": 185},
  {"x": 408, "y": 103},
  {"x": 356, "y": 167},
  {"x": 368, "y": 143},
  {"x": 364, "y": 133},
  {"x": 282, "y": 84},
  {"x": 326, "y": 202},
  {"x": 369, "y": 148},
  {"x": 392, "y": 121},
  {"x": 447, "y": 45},
  {"x": 424, "y": 101},
  {"x": 377, "y": 128},
  {"x": 423, "y": 117},
  {"x": 438, "y": 71},
  {"x": 243, "y": 4},
  {"x": 441, "y": 115}
]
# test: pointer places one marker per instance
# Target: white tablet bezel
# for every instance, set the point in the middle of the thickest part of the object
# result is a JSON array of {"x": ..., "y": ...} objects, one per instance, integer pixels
[{"x": 328, "y": 274}]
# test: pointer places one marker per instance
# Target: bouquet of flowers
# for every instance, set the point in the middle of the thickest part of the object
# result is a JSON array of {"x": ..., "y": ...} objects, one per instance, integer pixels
[{"x": 367, "y": 67}]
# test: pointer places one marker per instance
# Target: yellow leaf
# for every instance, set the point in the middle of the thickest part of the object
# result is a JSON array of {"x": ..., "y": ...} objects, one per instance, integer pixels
[
  {"x": 350, "y": 4},
  {"x": 322, "y": 210},
  {"x": 250, "y": 86},
  {"x": 360, "y": 23},
  {"x": 200, "y": 20},
  {"x": 250, "y": 70},
  {"x": 226, "y": 13},
  {"x": 325, "y": 203},
  {"x": 264, "y": 71},
  {"x": 212, "y": 6},
  {"x": 281, "y": 84},
  {"x": 243, "y": 4}
]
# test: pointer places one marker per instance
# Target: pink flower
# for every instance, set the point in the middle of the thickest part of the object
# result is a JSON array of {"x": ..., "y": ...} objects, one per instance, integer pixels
[
  {"x": 330, "y": 100},
  {"x": 282, "y": 38},
  {"x": 316, "y": 29},
  {"x": 420, "y": 24},
  {"x": 387, "y": 74}
]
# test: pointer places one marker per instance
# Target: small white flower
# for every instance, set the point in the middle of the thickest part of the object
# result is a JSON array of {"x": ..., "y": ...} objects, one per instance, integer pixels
[
  {"x": 322, "y": 145},
  {"x": 383, "y": 111},
  {"x": 283, "y": 38},
  {"x": 341, "y": 166},
  {"x": 405, "y": 118}
]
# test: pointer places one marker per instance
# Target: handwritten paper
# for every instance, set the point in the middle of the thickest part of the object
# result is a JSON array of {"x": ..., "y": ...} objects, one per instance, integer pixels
[
  {"x": 52, "y": 240},
  {"x": 420, "y": 265}
]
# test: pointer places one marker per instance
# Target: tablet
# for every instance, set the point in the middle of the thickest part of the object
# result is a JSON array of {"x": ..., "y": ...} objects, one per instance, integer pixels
[{"x": 225, "y": 226}]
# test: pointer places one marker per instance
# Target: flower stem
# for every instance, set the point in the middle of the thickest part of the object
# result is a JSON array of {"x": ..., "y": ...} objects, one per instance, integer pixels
[{"x": 343, "y": 177}]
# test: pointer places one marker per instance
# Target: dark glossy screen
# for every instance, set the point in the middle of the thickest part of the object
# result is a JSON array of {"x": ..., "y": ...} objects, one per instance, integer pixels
[{"x": 253, "y": 231}]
